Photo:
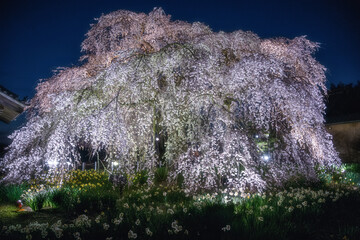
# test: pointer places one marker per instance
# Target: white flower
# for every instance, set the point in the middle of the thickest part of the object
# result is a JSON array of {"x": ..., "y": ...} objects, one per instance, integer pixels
[
  {"x": 250, "y": 211},
  {"x": 132, "y": 235},
  {"x": 159, "y": 211},
  {"x": 82, "y": 221},
  {"x": 106, "y": 226},
  {"x": 226, "y": 228},
  {"x": 261, "y": 219},
  {"x": 137, "y": 222},
  {"x": 148, "y": 232},
  {"x": 58, "y": 233},
  {"x": 76, "y": 235},
  {"x": 170, "y": 211},
  {"x": 117, "y": 221},
  {"x": 44, "y": 233},
  {"x": 174, "y": 224}
]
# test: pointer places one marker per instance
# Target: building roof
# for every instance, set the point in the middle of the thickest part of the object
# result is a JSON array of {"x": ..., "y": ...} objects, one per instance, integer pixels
[{"x": 10, "y": 105}]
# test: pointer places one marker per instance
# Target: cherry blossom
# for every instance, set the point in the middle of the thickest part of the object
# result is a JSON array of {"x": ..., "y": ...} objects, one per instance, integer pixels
[{"x": 222, "y": 109}]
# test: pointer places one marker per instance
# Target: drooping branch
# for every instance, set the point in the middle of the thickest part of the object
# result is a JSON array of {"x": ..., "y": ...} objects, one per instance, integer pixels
[{"x": 229, "y": 109}]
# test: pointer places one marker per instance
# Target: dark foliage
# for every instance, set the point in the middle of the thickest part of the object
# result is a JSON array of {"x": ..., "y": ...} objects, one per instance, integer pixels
[{"x": 343, "y": 103}]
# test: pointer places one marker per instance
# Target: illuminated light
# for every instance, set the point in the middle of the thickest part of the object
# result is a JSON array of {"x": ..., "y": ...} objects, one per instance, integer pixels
[
  {"x": 19, "y": 204},
  {"x": 115, "y": 163},
  {"x": 265, "y": 157},
  {"x": 157, "y": 139},
  {"x": 53, "y": 163},
  {"x": 256, "y": 136}
]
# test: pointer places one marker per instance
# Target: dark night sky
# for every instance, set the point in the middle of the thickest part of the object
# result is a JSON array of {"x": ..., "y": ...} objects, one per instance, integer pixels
[{"x": 38, "y": 36}]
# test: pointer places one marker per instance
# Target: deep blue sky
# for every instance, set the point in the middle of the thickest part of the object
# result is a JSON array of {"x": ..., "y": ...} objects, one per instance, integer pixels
[{"x": 38, "y": 36}]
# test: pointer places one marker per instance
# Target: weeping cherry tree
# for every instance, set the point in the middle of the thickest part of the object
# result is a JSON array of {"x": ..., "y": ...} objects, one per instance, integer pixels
[{"x": 222, "y": 109}]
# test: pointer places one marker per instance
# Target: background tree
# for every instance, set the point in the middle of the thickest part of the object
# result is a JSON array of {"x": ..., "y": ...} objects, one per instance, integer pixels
[
  {"x": 342, "y": 103},
  {"x": 223, "y": 109}
]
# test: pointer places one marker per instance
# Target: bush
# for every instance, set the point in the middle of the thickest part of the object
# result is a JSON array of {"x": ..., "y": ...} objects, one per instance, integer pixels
[
  {"x": 346, "y": 174},
  {"x": 35, "y": 199},
  {"x": 140, "y": 178},
  {"x": 88, "y": 179},
  {"x": 12, "y": 192},
  {"x": 161, "y": 175},
  {"x": 95, "y": 201},
  {"x": 85, "y": 191},
  {"x": 64, "y": 198},
  {"x": 352, "y": 167}
]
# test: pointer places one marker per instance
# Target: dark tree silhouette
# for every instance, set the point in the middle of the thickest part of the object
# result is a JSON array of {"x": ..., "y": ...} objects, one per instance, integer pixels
[{"x": 343, "y": 103}]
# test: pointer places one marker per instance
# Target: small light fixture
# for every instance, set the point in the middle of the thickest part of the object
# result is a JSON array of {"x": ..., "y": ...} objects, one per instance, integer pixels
[{"x": 19, "y": 206}]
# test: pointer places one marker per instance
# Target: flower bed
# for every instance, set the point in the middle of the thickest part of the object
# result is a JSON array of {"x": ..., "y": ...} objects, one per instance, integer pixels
[{"x": 322, "y": 211}]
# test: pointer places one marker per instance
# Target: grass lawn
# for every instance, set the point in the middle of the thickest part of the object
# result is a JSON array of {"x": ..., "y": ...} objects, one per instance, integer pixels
[{"x": 9, "y": 215}]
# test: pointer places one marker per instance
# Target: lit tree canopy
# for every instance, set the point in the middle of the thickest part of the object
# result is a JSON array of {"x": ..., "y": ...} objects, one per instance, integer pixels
[{"x": 222, "y": 109}]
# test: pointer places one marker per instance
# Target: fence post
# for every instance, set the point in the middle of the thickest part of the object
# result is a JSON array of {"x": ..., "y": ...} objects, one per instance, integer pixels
[{"x": 83, "y": 166}]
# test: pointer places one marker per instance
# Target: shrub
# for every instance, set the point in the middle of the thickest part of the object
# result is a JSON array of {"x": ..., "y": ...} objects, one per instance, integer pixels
[
  {"x": 64, "y": 198},
  {"x": 12, "y": 192},
  {"x": 35, "y": 199},
  {"x": 345, "y": 174},
  {"x": 352, "y": 167},
  {"x": 161, "y": 175},
  {"x": 88, "y": 179},
  {"x": 85, "y": 191},
  {"x": 140, "y": 178},
  {"x": 95, "y": 201}
]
